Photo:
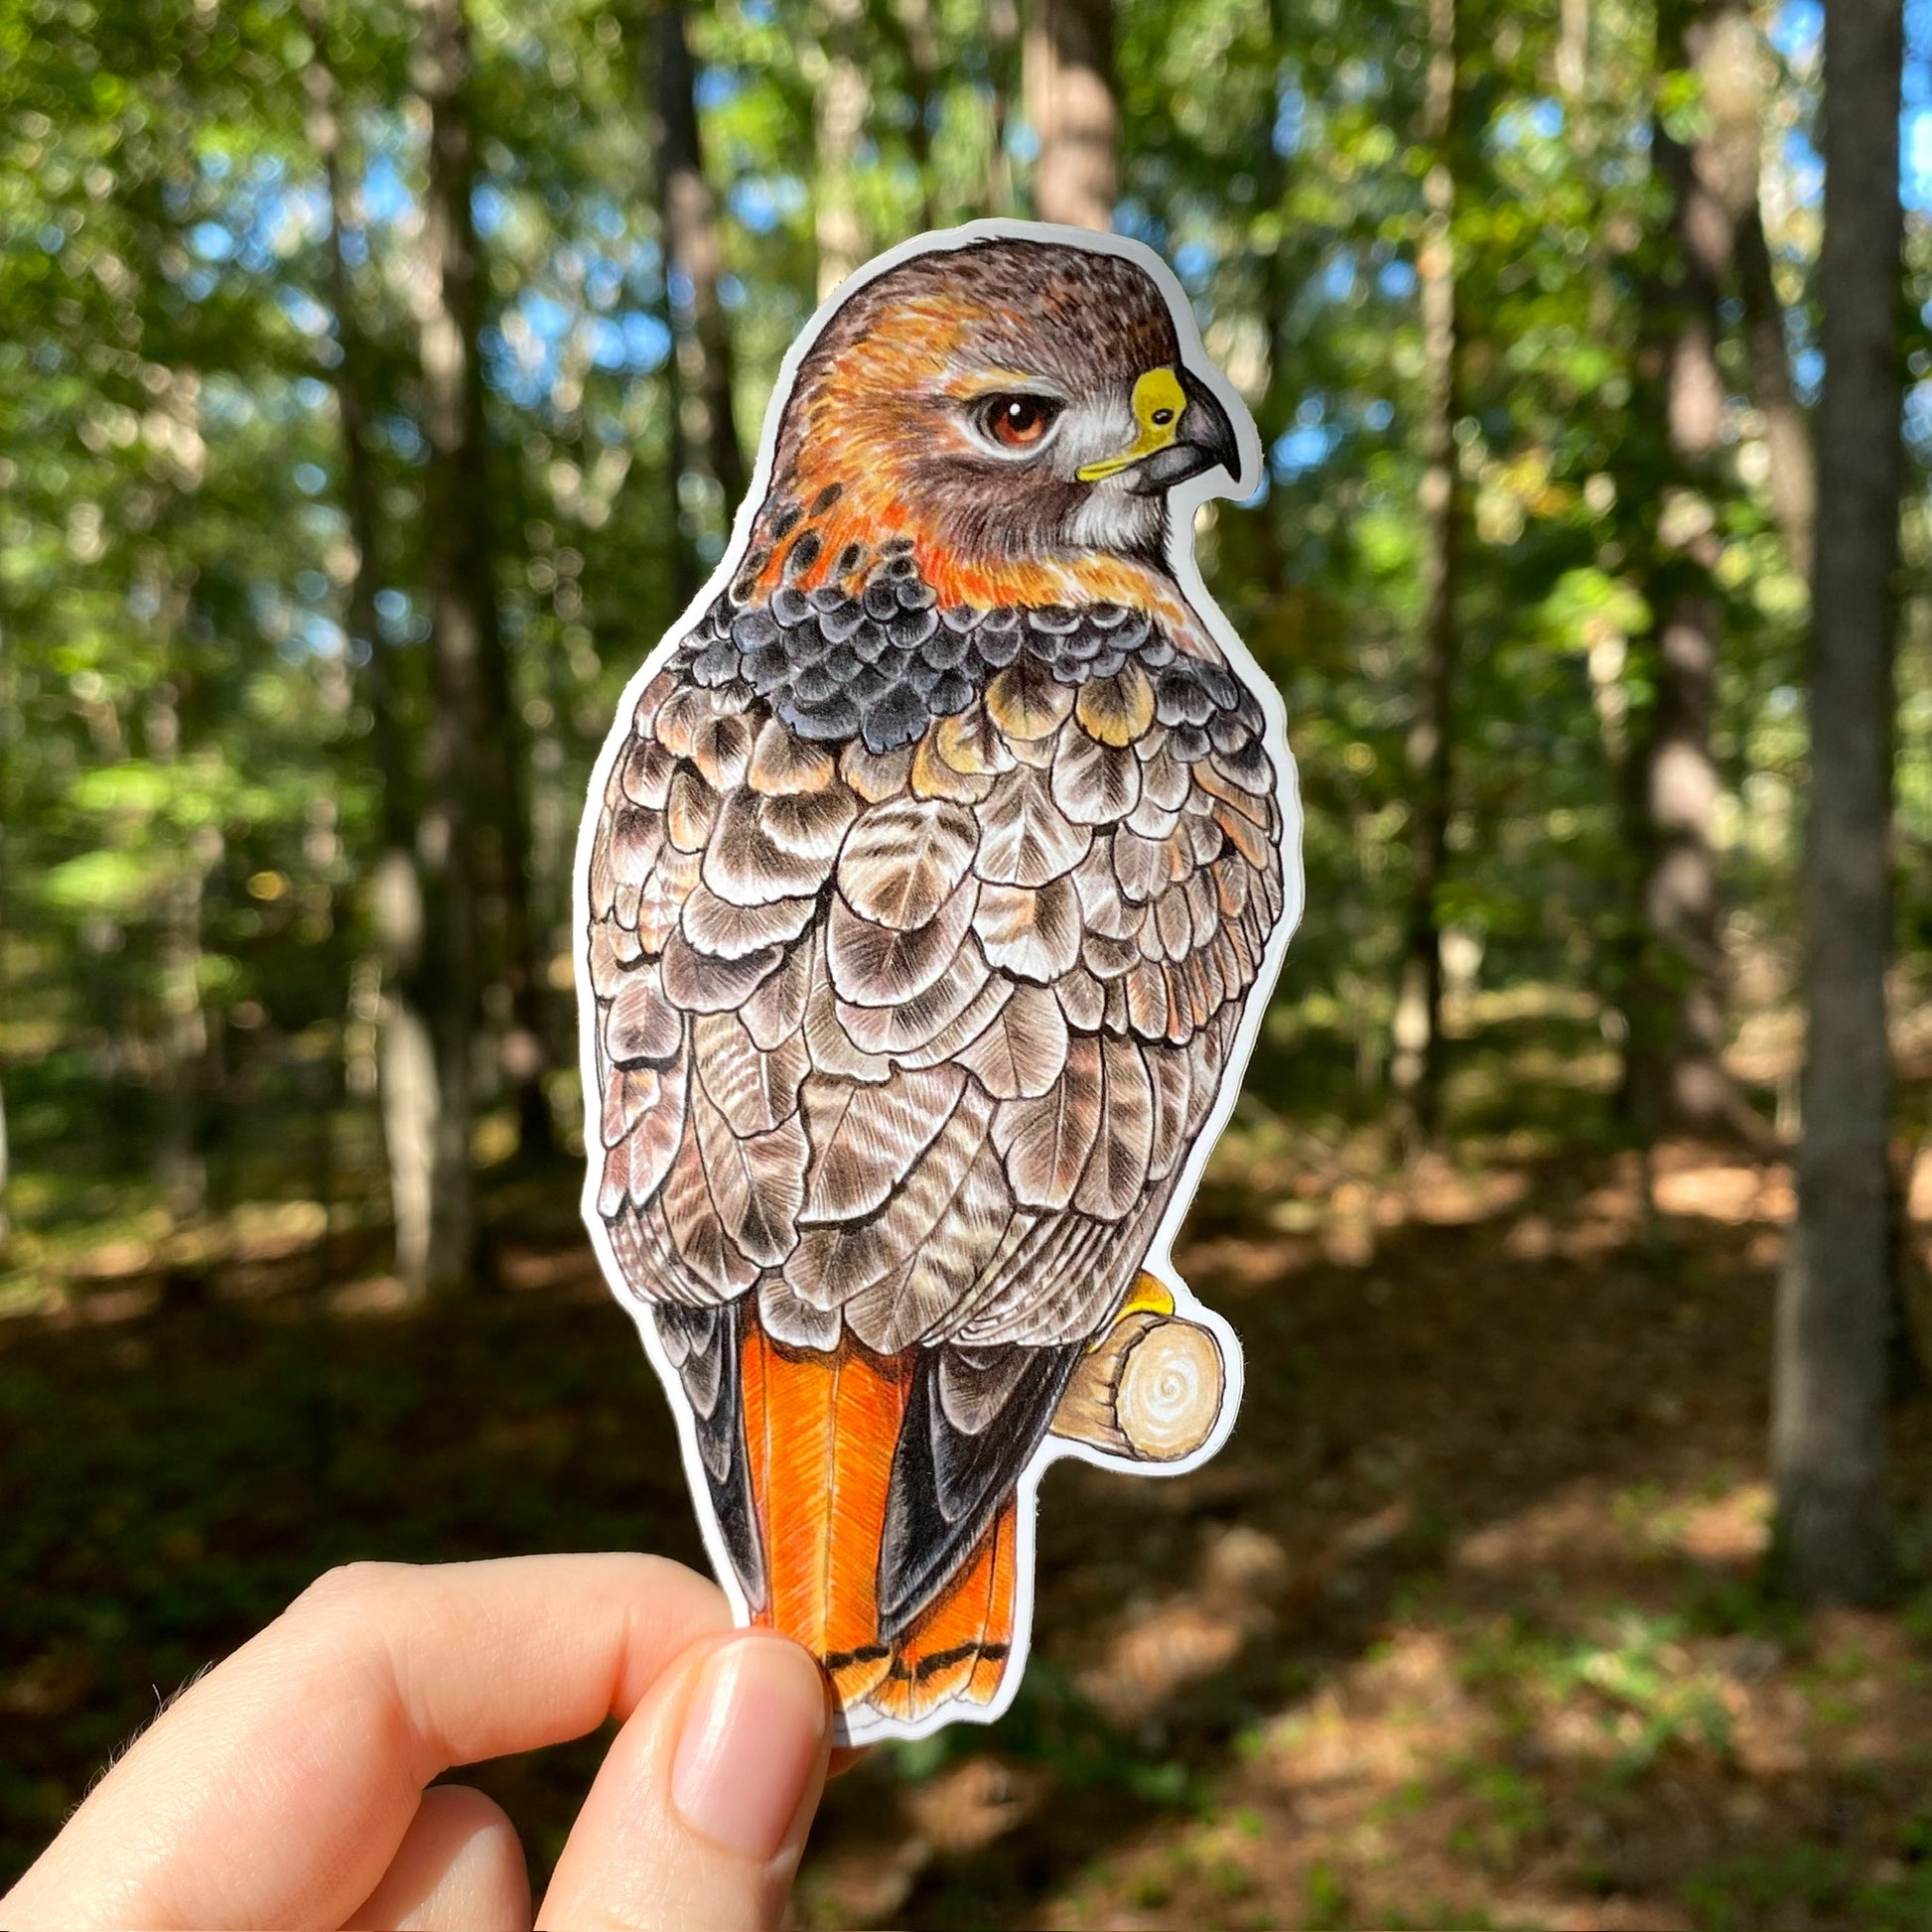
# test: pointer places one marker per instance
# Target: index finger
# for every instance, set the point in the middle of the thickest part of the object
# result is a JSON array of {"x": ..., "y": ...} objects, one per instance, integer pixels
[{"x": 276, "y": 1791}]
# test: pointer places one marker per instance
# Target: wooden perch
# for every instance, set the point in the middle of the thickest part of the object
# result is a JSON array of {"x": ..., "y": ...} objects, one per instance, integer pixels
[{"x": 1150, "y": 1390}]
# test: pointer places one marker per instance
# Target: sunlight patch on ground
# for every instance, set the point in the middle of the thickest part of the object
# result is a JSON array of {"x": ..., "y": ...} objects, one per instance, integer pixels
[
  {"x": 1160, "y": 1647},
  {"x": 1462, "y": 1630},
  {"x": 378, "y": 1297},
  {"x": 1728, "y": 1193},
  {"x": 1593, "y": 1525}
]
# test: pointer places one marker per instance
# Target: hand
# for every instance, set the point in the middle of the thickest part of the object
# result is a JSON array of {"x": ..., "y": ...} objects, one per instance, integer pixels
[{"x": 288, "y": 1787}]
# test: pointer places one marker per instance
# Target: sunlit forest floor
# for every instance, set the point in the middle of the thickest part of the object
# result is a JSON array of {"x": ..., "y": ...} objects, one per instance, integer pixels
[{"x": 1463, "y": 1629}]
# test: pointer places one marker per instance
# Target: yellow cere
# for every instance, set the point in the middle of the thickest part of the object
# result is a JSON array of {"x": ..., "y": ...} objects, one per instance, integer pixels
[{"x": 1159, "y": 400}]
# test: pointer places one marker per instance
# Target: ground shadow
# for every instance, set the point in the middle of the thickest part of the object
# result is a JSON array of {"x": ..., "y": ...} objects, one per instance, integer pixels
[{"x": 1435, "y": 1362}]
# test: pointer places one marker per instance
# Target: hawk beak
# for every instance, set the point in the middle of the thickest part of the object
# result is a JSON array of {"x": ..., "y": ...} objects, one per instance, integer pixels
[
  {"x": 1181, "y": 431},
  {"x": 1159, "y": 402},
  {"x": 1205, "y": 442}
]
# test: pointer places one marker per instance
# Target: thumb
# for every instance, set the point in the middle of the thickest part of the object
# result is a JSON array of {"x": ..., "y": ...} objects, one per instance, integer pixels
[{"x": 699, "y": 1814}]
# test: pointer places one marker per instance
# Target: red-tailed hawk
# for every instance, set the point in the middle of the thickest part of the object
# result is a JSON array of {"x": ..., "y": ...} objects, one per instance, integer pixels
[{"x": 931, "y": 876}]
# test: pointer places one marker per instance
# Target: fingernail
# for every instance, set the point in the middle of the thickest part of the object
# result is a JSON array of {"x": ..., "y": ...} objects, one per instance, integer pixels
[{"x": 750, "y": 1743}]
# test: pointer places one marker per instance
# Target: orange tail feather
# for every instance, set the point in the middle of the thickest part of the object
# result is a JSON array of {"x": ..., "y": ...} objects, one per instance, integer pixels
[
  {"x": 958, "y": 1648},
  {"x": 820, "y": 1430}
]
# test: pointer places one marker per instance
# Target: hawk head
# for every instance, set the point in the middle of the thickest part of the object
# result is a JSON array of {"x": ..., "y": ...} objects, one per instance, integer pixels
[{"x": 1001, "y": 403}]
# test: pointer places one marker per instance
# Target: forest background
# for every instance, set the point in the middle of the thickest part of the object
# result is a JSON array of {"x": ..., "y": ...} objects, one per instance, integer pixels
[{"x": 375, "y": 385}]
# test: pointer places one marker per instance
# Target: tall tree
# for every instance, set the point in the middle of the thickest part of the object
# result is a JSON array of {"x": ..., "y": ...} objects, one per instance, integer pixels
[
  {"x": 1736, "y": 102},
  {"x": 1416, "y": 1068},
  {"x": 1001, "y": 34},
  {"x": 693, "y": 257},
  {"x": 1068, "y": 61},
  {"x": 1675, "y": 1005},
  {"x": 463, "y": 618},
  {"x": 184, "y": 1037},
  {"x": 10, "y": 732},
  {"x": 462, "y": 540},
  {"x": 406, "y": 1061},
  {"x": 917, "y": 35},
  {"x": 839, "y": 119},
  {"x": 9, "y": 724},
  {"x": 1828, "y": 1441}
]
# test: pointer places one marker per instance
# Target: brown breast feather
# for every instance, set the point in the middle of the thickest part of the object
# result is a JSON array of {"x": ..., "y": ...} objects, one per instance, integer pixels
[{"x": 917, "y": 1035}]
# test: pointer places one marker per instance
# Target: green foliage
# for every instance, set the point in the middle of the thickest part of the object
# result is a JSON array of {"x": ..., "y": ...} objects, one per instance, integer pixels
[
  {"x": 186, "y": 733},
  {"x": 1052, "y": 1725},
  {"x": 1327, "y": 1899},
  {"x": 190, "y": 812},
  {"x": 1821, "y": 1882},
  {"x": 1649, "y": 1693}
]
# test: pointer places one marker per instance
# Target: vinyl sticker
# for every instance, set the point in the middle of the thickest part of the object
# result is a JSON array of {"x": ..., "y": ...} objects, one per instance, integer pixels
[{"x": 933, "y": 880}]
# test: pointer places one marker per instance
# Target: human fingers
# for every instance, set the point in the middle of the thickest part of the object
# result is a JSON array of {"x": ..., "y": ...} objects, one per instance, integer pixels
[
  {"x": 460, "y": 1869},
  {"x": 277, "y": 1791},
  {"x": 700, "y": 1810}
]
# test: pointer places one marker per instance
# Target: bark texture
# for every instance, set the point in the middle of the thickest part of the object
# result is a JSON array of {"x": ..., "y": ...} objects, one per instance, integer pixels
[
  {"x": 1828, "y": 1442},
  {"x": 1068, "y": 62}
]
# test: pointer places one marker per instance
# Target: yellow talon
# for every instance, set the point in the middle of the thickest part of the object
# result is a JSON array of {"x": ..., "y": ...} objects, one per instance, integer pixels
[
  {"x": 1153, "y": 1297},
  {"x": 1146, "y": 1297}
]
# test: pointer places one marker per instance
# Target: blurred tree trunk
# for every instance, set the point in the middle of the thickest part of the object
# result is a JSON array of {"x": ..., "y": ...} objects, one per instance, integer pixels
[
  {"x": 1274, "y": 272},
  {"x": 10, "y": 731},
  {"x": 1068, "y": 60},
  {"x": 1002, "y": 32},
  {"x": 462, "y": 618},
  {"x": 461, "y": 563},
  {"x": 682, "y": 526},
  {"x": 913, "y": 20},
  {"x": 1833, "y": 1536},
  {"x": 6, "y": 1222},
  {"x": 1724, "y": 207},
  {"x": 1416, "y": 1067},
  {"x": 406, "y": 1061},
  {"x": 1793, "y": 476},
  {"x": 1674, "y": 1073},
  {"x": 687, "y": 215},
  {"x": 526, "y": 1043},
  {"x": 1733, "y": 65},
  {"x": 1572, "y": 60},
  {"x": 180, "y": 1165},
  {"x": 844, "y": 99},
  {"x": 11, "y": 726}
]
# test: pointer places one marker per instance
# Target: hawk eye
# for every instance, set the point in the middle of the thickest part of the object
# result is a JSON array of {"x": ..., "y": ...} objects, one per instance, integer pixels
[{"x": 1019, "y": 422}]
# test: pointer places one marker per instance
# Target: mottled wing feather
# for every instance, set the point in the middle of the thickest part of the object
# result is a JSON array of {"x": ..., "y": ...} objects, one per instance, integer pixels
[
  {"x": 912, "y": 992},
  {"x": 948, "y": 1479},
  {"x": 865, "y": 1138},
  {"x": 703, "y": 1347},
  {"x": 1055, "y": 898}
]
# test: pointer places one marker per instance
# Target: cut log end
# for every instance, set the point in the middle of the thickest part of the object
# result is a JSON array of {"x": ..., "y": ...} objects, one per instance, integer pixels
[{"x": 1152, "y": 1390}]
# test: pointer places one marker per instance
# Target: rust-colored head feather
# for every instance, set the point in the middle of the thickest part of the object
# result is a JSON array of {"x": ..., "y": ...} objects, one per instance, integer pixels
[{"x": 888, "y": 431}]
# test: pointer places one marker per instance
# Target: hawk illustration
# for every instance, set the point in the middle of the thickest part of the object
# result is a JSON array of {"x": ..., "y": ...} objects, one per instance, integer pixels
[{"x": 930, "y": 878}]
